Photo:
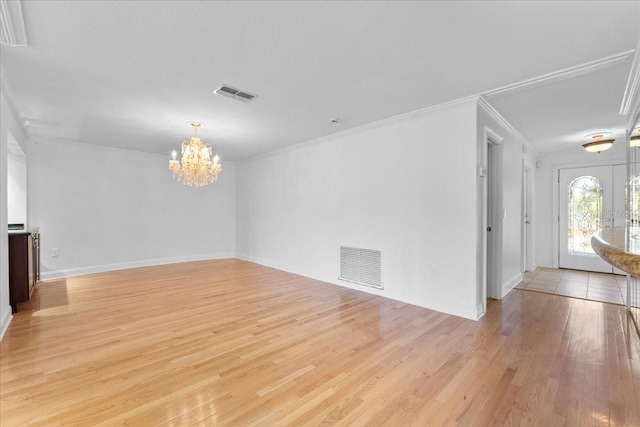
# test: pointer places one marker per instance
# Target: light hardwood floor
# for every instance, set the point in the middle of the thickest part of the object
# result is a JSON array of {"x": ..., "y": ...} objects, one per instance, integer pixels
[{"x": 233, "y": 343}]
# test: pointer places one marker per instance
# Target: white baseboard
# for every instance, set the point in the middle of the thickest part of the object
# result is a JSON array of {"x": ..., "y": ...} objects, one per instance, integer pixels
[
  {"x": 511, "y": 283},
  {"x": 4, "y": 323},
  {"x": 48, "y": 275},
  {"x": 260, "y": 261},
  {"x": 419, "y": 300},
  {"x": 431, "y": 303},
  {"x": 435, "y": 304},
  {"x": 480, "y": 311}
]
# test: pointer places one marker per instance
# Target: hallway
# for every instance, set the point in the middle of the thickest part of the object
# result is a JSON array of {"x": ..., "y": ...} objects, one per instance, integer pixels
[{"x": 601, "y": 287}]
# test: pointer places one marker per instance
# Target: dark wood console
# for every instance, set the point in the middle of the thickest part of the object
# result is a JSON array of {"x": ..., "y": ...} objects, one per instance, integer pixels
[{"x": 22, "y": 268}]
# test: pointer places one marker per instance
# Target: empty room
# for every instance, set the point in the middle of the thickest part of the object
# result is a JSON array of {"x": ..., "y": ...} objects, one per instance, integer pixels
[{"x": 272, "y": 213}]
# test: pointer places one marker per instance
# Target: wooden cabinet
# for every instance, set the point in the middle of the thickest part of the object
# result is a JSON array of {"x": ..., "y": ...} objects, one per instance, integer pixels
[{"x": 21, "y": 268}]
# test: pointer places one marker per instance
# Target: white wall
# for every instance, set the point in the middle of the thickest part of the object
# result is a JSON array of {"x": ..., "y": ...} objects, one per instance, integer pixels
[
  {"x": 402, "y": 186},
  {"x": 105, "y": 208},
  {"x": 514, "y": 160},
  {"x": 546, "y": 190},
  {"x": 16, "y": 189},
  {"x": 9, "y": 131},
  {"x": 5, "y": 307}
]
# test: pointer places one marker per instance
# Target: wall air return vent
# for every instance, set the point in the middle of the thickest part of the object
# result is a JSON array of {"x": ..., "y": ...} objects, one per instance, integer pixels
[
  {"x": 360, "y": 266},
  {"x": 236, "y": 94}
]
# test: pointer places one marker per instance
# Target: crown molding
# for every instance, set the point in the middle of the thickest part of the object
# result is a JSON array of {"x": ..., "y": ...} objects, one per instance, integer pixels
[
  {"x": 8, "y": 95},
  {"x": 5, "y": 86},
  {"x": 66, "y": 141},
  {"x": 630, "y": 106},
  {"x": 564, "y": 74},
  {"x": 13, "y": 31},
  {"x": 7, "y": 92},
  {"x": 495, "y": 115}
]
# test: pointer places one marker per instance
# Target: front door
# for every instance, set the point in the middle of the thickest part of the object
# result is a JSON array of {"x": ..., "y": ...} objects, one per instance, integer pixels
[{"x": 590, "y": 199}]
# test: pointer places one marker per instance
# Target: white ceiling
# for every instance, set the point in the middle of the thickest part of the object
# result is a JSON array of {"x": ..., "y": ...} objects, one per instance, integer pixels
[
  {"x": 131, "y": 74},
  {"x": 558, "y": 116}
]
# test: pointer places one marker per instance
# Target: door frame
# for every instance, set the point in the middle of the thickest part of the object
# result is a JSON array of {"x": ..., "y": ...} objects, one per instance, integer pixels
[
  {"x": 493, "y": 256},
  {"x": 568, "y": 259},
  {"x": 555, "y": 220}
]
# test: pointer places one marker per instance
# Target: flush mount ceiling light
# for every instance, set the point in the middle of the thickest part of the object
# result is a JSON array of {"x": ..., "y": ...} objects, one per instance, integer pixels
[
  {"x": 598, "y": 144},
  {"x": 195, "y": 169},
  {"x": 634, "y": 141}
]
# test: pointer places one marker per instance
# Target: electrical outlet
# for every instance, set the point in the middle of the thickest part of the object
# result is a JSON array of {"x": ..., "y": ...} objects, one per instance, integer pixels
[
  {"x": 55, "y": 252},
  {"x": 434, "y": 272}
]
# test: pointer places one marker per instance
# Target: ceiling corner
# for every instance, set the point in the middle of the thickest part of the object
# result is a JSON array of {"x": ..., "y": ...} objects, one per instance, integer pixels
[
  {"x": 13, "y": 31},
  {"x": 630, "y": 106}
]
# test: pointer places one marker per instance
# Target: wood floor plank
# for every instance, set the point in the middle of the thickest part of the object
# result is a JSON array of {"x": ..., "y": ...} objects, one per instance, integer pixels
[{"x": 228, "y": 342}]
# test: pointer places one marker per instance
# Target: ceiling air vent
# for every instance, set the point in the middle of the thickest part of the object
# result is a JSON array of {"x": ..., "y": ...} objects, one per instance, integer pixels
[{"x": 236, "y": 94}]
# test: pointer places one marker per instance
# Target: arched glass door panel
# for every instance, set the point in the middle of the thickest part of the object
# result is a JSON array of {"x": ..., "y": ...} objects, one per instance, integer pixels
[{"x": 585, "y": 213}]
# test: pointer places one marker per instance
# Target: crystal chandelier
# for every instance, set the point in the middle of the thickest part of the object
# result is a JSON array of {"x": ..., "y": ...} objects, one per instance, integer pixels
[{"x": 196, "y": 168}]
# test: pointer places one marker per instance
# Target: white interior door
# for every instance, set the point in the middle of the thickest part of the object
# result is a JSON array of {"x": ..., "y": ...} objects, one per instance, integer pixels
[
  {"x": 590, "y": 199},
  {"x": 526, "y": 219},
  {"x": 494, "y": 225}
]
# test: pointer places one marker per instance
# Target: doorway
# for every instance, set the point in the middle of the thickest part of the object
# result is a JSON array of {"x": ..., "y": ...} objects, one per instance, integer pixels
[
  {"x": 590, "y": 198},
  {"x": 527, "y": 235},
  {"x": 493, "y": 215},
  {"x": 16, "y": 183}
]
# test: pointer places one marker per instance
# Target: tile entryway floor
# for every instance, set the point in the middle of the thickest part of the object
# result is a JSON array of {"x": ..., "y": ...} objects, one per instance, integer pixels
[{"x": 578, "y": 284}]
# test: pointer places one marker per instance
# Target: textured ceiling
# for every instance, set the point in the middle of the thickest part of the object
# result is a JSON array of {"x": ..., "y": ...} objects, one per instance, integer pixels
[{"x": 132, "y": 74}]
